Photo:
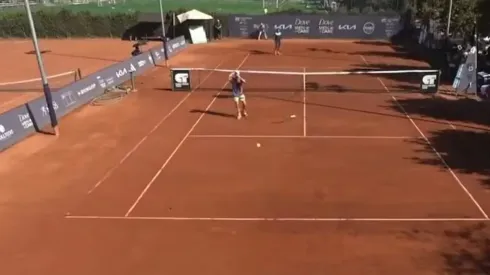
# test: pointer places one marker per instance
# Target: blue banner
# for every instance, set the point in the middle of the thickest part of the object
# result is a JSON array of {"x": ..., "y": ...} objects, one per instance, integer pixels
[
  {"x": 18, "y": 123},
  {"x": 363, "y": 27}
]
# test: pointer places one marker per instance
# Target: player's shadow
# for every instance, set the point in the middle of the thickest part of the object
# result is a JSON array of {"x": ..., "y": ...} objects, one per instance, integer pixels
[
  {"x": 212, "y": 113},
  {"x": 311, "y": 49},
  {"x": 257, "y": 52},
  {"x": 41, "y": 52}
]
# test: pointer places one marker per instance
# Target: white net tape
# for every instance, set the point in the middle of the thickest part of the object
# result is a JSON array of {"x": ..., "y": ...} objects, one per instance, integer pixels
[
  {"x": 301, "y": 73},
  {"x": 304, "y": 79}
]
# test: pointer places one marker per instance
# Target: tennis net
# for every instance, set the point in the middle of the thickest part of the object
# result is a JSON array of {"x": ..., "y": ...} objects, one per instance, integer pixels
[
  {"x": 305, "y": 79},
  {"x": 35, "y": 85}
]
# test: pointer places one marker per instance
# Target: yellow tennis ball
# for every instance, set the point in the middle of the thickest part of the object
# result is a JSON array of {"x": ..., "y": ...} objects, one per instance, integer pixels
[{"x": 258, "y": 145}]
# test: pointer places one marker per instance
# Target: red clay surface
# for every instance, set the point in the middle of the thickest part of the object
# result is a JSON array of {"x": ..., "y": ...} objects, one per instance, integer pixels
[
  {"x": 141, "y": 180},
  {"x": 59, "y": 56}
]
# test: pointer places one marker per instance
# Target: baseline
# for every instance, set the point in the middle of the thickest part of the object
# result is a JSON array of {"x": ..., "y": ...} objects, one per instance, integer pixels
[
  {"x": 286, "y": 219},
  {"x": 434, "y": 150}
]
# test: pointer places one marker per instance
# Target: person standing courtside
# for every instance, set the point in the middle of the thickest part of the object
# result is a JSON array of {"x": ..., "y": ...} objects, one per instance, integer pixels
[
  {"x": 217, "y": 29},
  {"x": 277, "y": 42},
  {"x": 262, "y": 31}
]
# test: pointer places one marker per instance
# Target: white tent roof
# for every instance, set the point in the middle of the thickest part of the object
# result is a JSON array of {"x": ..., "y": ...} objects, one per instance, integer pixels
[{"x": 193, "y": 15}]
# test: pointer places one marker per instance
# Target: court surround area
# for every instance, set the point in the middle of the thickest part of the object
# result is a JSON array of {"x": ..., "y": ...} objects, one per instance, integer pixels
[{"x": 344, "y": 178}]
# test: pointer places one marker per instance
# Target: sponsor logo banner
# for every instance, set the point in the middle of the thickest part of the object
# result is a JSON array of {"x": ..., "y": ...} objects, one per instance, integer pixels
[
  {"x": 465, "y": 80},
  {"x": 317, "y": 26},
  {"x": 15, "y": 125},
  {"x": 429, "y": 83},
  {"x": 181, "y": 80},
  {"x": 174, "y": 46},
  {"x": 18, "y": 123}
]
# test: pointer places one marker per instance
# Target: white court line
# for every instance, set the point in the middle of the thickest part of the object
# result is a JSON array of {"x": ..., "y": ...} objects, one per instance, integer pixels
[
  {"x": 443, "y": 161},
  {"x": 26, "y": 95},
  {"x": 110, "y": 171},
  {"x": 6, "y": 41},
  {"x": 290, "y": 219},
  {"x": 179, "y": 145},
  {"x": 36, "y": 79},
  {"x": 17, "y": 98},
  {"x": 303, "y": 137}
]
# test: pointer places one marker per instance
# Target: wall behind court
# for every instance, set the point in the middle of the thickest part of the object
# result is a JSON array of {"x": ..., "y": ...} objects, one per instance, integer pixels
[{"x": 363, "y": 27}]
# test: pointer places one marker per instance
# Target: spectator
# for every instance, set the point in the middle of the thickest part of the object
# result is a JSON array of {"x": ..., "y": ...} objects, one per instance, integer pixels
[
  {"x": 136, "y": 50},
  {"x": 217, "y": 30}
]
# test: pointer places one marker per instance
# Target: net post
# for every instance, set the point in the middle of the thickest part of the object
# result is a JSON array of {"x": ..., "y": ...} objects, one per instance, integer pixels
[
  {"x": 439, "y": 80},
  {"x": 133, "y": 84},
  {"x": 198, "y": 78},
  {"x": 79, "y": 73},
  {"x": 304, "y": 79}
]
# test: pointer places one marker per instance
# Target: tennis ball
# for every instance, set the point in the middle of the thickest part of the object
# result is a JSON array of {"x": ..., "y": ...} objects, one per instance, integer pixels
[
  {"x": 258, "y": 145},
  {"x": 293, "y": 116}
]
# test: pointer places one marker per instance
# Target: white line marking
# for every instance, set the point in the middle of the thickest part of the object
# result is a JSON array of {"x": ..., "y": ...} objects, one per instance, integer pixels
[
  {"x": 7, "y": 41},
  {"x": 17, "y": 98},
  {"x": 110, "y": 171},
  {"x": 20, "y": 98},
  {"x": 303, "y": 137},
  {"x": 364, "y": 59},
  {"x": 450, "y": 124},
  {"x": 256, "y": 219},
  {"x": 443, "y": 161},
  {"x": 37, "y": 79},
  {"x": 179, "y": 146}
]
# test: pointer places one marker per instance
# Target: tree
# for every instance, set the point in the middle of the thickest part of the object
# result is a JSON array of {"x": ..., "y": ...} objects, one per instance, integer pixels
[
  {"x": 463, "y": 14},
  {"x": 483, "y": 19}
]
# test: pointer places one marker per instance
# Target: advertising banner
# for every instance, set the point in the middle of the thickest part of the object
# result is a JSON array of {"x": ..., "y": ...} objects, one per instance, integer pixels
[
  {"x": 429, "y": 83},
  {"x": 18, "y": 123},
  {"x": 15, "y": 125},
  {"x": 181, "y": 80},
  {"x": 465, "y": 80},
  {"x": 174, "y": 46},
  {"x": 317, "y": 26}
]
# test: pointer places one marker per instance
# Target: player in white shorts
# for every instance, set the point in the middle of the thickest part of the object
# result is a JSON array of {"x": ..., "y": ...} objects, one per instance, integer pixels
[{"x": 237, "y": 82}]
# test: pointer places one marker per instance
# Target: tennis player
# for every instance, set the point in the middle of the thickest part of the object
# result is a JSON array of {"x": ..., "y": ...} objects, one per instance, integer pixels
[
  {"x": 277, "y": 42},
  {"x": 237, "y": 82}
]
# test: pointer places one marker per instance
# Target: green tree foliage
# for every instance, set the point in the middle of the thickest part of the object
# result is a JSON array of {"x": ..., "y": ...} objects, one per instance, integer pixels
[
  {"x": 463, "y": 14},
  {"x": 64, "y": 24},
  {"x": 483, "y": 8}
]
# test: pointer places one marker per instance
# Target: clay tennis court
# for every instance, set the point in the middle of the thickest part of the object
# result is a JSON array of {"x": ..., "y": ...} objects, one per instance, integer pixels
[
  {"x": 322, "y": 181},
  {"x": 20, "y": 81}
]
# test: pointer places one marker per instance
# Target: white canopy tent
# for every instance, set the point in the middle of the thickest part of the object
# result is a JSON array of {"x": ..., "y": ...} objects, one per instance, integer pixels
[
  {"x": 194, "y": 23},
  {"x": 193, "y": 15}
]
